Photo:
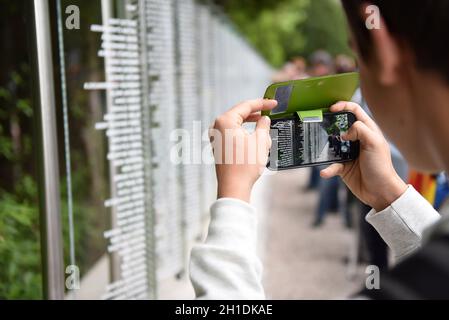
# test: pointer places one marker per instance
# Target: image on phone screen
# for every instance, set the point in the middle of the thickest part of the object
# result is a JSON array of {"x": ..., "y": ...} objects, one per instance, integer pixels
[{"x": 300, "y": 144}]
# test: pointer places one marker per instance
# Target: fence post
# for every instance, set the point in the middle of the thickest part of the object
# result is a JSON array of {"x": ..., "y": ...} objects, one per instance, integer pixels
[{"x": 50, "y": 207}]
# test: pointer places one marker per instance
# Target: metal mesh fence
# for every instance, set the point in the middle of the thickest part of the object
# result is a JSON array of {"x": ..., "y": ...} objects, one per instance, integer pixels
[{"x": 172, "y": 66}]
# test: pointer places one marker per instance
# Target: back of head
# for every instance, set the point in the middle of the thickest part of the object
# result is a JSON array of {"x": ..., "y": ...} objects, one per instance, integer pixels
[
  {"x": 422, "y": 25},
  {"x": 321, "y": 63}
]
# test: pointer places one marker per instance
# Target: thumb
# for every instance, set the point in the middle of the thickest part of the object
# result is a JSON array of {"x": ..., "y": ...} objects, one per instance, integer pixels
[{"x": 333, "y": 170}]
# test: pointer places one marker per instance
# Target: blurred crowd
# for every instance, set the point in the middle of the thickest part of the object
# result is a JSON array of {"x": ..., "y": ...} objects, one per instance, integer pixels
[{"x": 320, "y": 63}]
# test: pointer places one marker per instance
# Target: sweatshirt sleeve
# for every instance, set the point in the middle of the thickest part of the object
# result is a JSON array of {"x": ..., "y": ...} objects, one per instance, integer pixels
[
  {"x": 226, "y": 265},
  {"x": 401, "y": 225}
]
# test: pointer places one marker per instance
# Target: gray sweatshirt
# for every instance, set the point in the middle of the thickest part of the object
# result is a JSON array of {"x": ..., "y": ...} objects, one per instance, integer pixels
[{"x": 226, "y": 265}]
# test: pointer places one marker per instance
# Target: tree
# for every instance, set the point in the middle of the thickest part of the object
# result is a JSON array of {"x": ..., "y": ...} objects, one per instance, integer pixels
[
  {"x": 325, "y": 28},
  {"x": 281, "y": 29}
]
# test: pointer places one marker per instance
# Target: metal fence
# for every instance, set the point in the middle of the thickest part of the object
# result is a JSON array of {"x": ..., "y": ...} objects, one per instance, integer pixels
[{"x": 169, "y": 64}]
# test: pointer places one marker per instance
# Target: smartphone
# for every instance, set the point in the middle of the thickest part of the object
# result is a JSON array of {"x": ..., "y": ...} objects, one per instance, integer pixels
[
  {"x": 304, "y": 132},
  {"x": 297, "y": 144}
]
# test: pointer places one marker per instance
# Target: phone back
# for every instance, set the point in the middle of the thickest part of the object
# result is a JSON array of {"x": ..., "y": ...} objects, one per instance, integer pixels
[{"x": 311, "y": 94}]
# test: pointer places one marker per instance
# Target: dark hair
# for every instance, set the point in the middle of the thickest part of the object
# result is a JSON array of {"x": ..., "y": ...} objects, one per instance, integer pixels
[{"x": 423, "y": 25}]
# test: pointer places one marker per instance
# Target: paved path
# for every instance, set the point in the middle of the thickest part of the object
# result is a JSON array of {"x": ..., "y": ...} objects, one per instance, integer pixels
[{"x": 301, "y": 262}]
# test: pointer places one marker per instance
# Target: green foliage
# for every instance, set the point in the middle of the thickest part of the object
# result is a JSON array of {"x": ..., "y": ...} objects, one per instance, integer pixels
[
  {"x": 325, "y": 28},
  {"x": 20, "y": 274},
  {"x": 15, "y": 107},
  {"x": 20, "y": 256},
  {"x": 281, "y": 29},
  {"x": 20, "y": 260},
  {"x": 271, "y": 26}
]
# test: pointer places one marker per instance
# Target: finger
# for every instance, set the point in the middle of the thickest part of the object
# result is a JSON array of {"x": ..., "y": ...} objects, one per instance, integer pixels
[
  {"x": 263, "y": 139},
  {"x": 243, "y": 110},
  {"x": 333, "y": 170},
  {"x": 357, "y": 110},
  {"x": 254, "y": 117},
  {"x": 360, "y": 131},
  {"x": 262, "y": 131},
  {"x": 263, "y": 124}
]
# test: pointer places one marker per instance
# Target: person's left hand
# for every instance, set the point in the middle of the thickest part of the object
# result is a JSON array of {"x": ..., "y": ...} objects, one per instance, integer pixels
[{"x": 371, "y": 177}]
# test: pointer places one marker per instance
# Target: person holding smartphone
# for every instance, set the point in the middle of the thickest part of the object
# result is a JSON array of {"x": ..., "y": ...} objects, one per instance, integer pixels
[{"x": 404, "y": 69}]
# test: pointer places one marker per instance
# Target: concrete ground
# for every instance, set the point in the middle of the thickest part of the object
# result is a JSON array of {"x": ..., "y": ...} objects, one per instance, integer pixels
[{"x": 301, "y": 262}]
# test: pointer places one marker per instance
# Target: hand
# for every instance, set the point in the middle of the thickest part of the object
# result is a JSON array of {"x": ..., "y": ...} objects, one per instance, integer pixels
[
  {"x": 240, "y": 156},
  {"x": 371, "y": 177}
]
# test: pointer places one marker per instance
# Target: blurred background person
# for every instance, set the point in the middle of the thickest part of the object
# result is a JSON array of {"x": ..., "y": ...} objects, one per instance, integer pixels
[
  {"x": 321, "y": 64},
  {"x": 373, "y": 249},
  {"x": 442, "y": 190},
  {"x": 344, "y": 64},
  {"x": 329, "y": 189},
  {"x": 301, "y": 67},
  {"x": 295, "y": 69}
]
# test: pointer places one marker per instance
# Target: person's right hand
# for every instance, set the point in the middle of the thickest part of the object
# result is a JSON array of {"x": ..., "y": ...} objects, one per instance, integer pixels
[
  {"x": 241, "y": 156},
  {"x": 371, "y": 177}
]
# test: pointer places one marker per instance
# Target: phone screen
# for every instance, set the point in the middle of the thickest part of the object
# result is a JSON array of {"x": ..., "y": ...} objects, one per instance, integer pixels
[{"x": 301, "y": 144}]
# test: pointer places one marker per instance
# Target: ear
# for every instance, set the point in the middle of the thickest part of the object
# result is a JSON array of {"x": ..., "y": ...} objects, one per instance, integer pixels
[{"x": 386, "y": 49}]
